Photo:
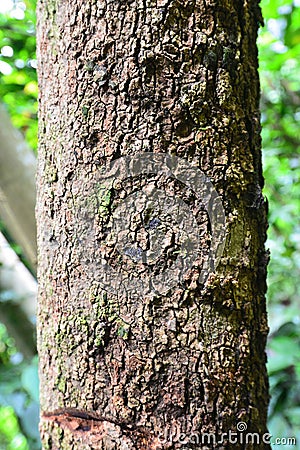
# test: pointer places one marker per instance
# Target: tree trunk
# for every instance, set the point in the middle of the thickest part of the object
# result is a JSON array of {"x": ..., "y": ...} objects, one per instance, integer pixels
[
  {"x": 152, "y": 328},
  {"x": 17, "y": 187},
  {"x": 18, "y": 313}
]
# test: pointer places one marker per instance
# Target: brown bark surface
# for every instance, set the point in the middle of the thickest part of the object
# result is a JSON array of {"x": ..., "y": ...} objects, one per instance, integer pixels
[{"x": 149, "y": 370}]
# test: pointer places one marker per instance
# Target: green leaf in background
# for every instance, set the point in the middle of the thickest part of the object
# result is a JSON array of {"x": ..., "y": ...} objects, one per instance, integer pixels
[
  {"x": 283, "y": 353},
  {"x": 11, "y": 436}
]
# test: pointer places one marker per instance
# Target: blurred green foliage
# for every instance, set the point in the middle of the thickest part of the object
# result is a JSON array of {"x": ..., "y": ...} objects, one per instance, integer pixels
[
  {"x": 18, "y": 80},
  {"x": 279, "y": 47},
  {"x": 19, "y": 397},
  {"x": 19, "y": 403}
]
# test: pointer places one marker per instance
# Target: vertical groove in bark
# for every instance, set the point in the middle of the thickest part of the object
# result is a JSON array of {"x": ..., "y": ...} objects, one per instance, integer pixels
[{"x": 119, "y": 78}]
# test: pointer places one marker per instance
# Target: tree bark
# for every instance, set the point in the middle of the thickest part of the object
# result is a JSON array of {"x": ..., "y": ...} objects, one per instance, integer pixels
[{"x": 142, "y": 367}]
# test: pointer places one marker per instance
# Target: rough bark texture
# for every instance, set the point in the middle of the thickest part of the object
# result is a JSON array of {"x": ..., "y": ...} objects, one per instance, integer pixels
[{"x": 119, "y": 78}]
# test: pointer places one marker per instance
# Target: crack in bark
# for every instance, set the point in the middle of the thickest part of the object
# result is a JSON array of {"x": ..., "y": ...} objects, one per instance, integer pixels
[
  {"x": 63, "y": 416},
  {"x": 89, "y": 426}
]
